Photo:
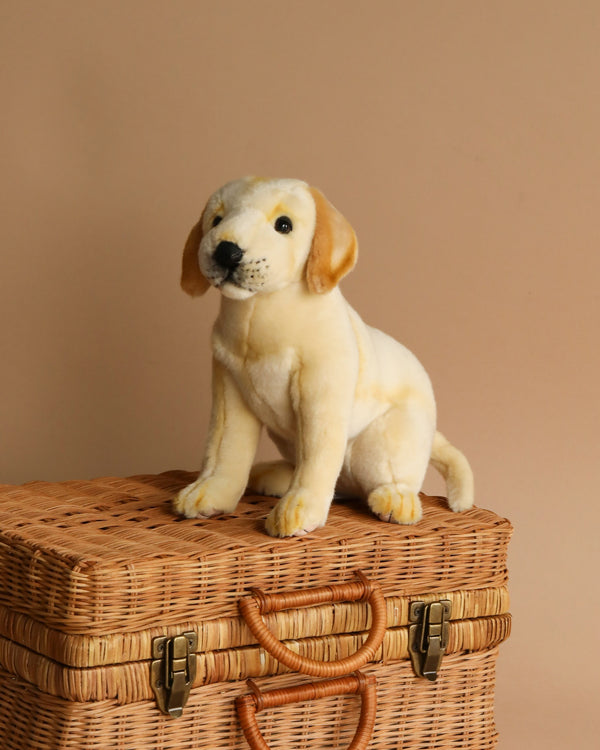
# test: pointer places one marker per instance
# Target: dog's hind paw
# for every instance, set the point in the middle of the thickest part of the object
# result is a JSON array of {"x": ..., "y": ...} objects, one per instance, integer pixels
[
  {"x": 205, "y": 498},
  {"x": 272, "y": 478},
  {"x": 296, "y": 514},
  {"x": 392, "y": 502}
]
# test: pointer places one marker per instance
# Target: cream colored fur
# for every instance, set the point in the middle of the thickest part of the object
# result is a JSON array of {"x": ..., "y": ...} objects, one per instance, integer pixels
[{"x": 350, "y": 409}]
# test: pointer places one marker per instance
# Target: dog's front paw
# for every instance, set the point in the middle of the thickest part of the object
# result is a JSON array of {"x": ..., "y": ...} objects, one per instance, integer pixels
[
  {"x": 205, "y": 498},
  {"x": 393, "y": 502},
  {"x": 297, "y": 513}
]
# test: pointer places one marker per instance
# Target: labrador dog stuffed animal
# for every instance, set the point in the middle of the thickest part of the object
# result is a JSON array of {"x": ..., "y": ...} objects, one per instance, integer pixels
[{"x": 350, "y": 409}]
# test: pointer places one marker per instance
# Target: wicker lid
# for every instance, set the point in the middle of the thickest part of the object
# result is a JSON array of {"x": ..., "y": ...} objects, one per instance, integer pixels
[{"x": 109, "y": 556}]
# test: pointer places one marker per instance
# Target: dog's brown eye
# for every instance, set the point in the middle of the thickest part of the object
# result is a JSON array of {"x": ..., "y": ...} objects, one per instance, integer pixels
[
  {"x": 283, "y": 225},
  {"x": 217, "y": 220}
]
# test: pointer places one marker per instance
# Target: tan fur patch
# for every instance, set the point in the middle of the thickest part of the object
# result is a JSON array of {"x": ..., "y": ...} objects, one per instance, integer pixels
[
  {"x": 279, "y": 210},
  {"x": 333, "y": 234},
  {"x": 192, "y": 280}
]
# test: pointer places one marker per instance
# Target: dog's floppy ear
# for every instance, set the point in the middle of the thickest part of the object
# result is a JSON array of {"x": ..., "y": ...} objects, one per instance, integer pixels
[
  {"x": 192, "y": 280},
  {"x": 334, "y": 247}
]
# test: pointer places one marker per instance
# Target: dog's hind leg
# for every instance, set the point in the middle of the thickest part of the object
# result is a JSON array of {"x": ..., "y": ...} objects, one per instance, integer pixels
[
  {"x": 272, "y": 478},
  {"x": 388, "y": 461}
]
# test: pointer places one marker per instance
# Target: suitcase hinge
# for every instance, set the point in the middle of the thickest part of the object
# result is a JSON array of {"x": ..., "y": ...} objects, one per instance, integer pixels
[
  {"x": 173, "y": 671},
  {"x": 428, "y": 636}
]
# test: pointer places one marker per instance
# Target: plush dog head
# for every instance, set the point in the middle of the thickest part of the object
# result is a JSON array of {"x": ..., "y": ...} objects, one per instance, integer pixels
[{"x": 256, "y": 236}]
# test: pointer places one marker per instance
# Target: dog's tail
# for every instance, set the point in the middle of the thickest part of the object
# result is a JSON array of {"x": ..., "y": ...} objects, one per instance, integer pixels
[{"x": 455, "y": 469}]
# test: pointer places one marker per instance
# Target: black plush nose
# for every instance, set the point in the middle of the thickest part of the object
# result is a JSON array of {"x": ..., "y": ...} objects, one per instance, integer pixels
[{"x": 228, "y": 255}]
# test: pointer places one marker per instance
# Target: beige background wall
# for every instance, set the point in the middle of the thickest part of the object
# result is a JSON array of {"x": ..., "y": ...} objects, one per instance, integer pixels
[{"x": 462, "y": 140}]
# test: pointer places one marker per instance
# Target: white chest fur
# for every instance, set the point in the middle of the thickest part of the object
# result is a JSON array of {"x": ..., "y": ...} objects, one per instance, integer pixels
[
  {"x": 260, "y": 343},
  {"x": 264, "y": 383}
]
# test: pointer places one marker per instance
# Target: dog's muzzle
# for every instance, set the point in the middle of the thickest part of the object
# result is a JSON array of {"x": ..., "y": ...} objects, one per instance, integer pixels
[{"x": 228, "y": 255}]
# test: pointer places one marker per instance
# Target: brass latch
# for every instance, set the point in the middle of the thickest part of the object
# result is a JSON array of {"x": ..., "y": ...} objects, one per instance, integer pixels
[
  {"x": 428, "y": 637},
  {"x": 173, "y": 671}
]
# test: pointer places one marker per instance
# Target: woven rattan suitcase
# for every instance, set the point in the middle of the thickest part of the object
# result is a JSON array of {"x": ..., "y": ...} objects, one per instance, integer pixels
[{"x": 112, "y": 609}]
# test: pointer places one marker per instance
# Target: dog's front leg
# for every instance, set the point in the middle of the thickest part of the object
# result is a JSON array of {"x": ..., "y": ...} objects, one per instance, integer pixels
[
  {"x": 232, "y": 441},
  {"x": 322, "y": 410}
]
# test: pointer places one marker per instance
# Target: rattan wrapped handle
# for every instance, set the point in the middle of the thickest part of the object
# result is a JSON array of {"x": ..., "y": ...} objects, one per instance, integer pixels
[
  {"x": 252, "y": 607},
  {"x": 365, "y": 685}
]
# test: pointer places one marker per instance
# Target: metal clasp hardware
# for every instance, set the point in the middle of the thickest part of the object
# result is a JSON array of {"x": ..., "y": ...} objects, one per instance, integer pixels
[
  {"x": 173, "y": 671},
  {"x": 428, "y": 637}
]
